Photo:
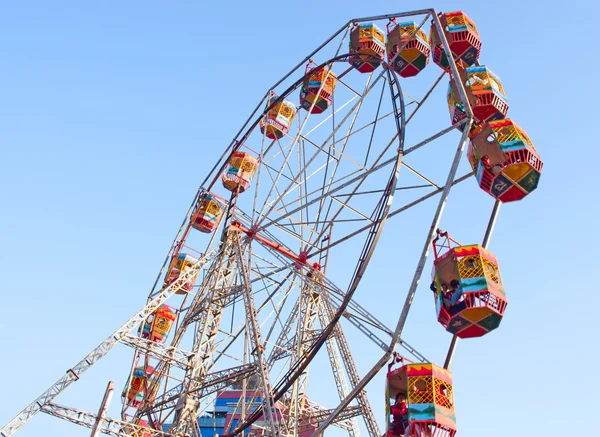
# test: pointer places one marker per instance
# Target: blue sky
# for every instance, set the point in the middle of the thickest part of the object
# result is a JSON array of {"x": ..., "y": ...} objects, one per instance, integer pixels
[{"x": 113, "y": 112}]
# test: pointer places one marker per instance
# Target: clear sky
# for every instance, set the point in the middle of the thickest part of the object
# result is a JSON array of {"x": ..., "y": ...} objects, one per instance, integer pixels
[{"x": 112, "y": 112}]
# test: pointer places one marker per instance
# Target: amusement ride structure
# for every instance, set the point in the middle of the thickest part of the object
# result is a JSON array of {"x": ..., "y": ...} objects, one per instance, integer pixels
[{"x": 257, "y": 295}]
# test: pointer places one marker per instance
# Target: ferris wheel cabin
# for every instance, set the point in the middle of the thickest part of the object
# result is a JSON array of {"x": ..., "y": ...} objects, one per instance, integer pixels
[
  {"x": 408, "y": 48},
  {"x": 277, "y": 121},
  {"x": 317, "y": 90},
  {"x": 504, "y": 160},
  {"x": 469, "y": 294},
  {"x": 485, "y": 93},
  {"x": 180, "y": 264},
  {"x": 208, "y": 213},
  {"x": 367, "y": 38},
  {"x": 462, "y": 36},
  {"x": 429, "y": 400},
  {"x": 157, "y": 326},
  {"x": 135, "y": 391},
  {"x": 240, "y": 171}
]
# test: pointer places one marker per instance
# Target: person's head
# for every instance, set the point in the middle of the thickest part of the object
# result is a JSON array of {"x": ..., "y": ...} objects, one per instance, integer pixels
[
  {"x": 454, "y": 283},
  {"x": 444, "y": 287},
  {"x": 400, "y": 397}
]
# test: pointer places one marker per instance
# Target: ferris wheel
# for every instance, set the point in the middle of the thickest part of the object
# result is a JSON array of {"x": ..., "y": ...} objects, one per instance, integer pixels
[{"x": 254, "y": 321}]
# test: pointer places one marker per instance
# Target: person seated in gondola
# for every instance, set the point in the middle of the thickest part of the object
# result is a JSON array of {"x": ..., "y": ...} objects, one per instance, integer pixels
[
  {"x": 446, "y": 296},
  {"x": 456, "y": 301},
  {"x": 485, "y": 160},
  {"x": 455, "y": 291},
  {"x": 433, "y": 288},
  {"x": 399, "y": 413}
]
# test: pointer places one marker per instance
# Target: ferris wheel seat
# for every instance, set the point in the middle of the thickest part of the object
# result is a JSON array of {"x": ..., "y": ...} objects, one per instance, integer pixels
[
  {"x": 366, "y": 38},
  {"x": 277, "y": 121},
  {"x": 134, "y": 391},
  {"x": 463, "y": 39},
  {"x": 181, "y": 263},
  {"x": 208, "y": 212},
  {"x": 407, "y": 48},
  {"x": 429, "y": 399},
  {"x": 504, "y": 160},
  {"x": 485, "y": 94},
  {"x": 477, "y": 305},
  {"x": 241, "y": 169},
  {"x": 157, "y": 326},
  {"x": 317, "y": 89}
]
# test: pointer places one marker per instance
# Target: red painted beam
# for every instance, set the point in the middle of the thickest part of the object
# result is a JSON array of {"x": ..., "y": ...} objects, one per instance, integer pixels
[{"x": 300, "y": 259}]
